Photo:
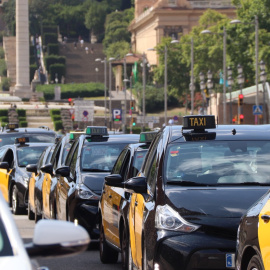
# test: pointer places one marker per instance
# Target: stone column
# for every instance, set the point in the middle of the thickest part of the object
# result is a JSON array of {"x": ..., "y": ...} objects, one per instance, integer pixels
[{"x": 22, "y": 87}]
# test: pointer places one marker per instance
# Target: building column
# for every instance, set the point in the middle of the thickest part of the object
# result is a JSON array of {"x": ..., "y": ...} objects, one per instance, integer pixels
[{"x": 22, "y": 87}]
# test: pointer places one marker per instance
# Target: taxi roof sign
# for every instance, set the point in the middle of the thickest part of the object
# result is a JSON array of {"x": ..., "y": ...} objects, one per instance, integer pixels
[
  {"x": 12, "y": 126},
  {"x": 147, "y": 137},
  {"x": 22, "y": 140},
  {"x": 74, "y": 135},
  {"x": 199, "y": 122},
  {"x": 96, "y": 131}
]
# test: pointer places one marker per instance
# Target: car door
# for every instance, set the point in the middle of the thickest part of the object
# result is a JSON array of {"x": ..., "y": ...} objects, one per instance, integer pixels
[
  {"x": 263, "y": 232},
  {"x": 4, "y": 176},
  {"x": 112, "y": 199}
]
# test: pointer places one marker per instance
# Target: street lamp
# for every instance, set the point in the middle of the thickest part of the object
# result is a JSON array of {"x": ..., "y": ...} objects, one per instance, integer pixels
[
  {"x": 56, "y": 78},
  {"x": 110, "y": 91},
  {"x": 96, "y": 69},
  {"x": 224, "y": 67},
  {"x": 202, "y": 88},
  {"x": 210, "y": 86},
  {"x": 263, "y": 78},
  {"x": 105, "y": 86},
  {"x": 130, "y": 85},
  {"x": 144, "y": 86},
  {"x": 230, "y": 83}
]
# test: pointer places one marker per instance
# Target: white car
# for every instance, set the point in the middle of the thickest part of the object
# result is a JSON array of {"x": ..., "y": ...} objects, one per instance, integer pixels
[{"x": 51, "y": 238}]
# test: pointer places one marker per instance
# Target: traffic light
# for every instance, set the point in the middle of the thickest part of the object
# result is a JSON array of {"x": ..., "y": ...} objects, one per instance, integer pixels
[
  {"x": 241, "y": 118},
  {"x": 70, "y": 101},
  {"x": 233, "y": 120},
  {"x": 133, "y": 122},
  {"x": 240, "y": 99},
  {"x": 132, "y": 105}
]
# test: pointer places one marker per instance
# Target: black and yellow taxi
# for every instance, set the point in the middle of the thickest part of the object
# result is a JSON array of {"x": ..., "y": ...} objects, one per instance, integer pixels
[
  {"x": 196, "y": 182},
  {"x": 35, "y": 184},
  {"x": 253, "y": 242},
  {"x": 80, "y": 180},
  {"x": 114, "y": 202},
  {"x": 9, "y": 133},
  {"x": 13, "y": 175}
]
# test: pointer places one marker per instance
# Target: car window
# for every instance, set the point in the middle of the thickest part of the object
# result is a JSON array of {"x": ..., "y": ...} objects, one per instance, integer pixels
[
  {"x": 9, "y": 158},
  {"x": 29, "y": 155},
  {"x": 41, "y": 159},
  {"x": 65, "y": 152},
  {"x": 217, "y": 162},
  {"x": 100, "y": 157},
  {"x": 70, "y": 153},
  {"x": 118, "y": 164},
  {"x": 137, "y": 162},
  {"x": 74, "y": 161},
  {"x": 5, "y": 246}
]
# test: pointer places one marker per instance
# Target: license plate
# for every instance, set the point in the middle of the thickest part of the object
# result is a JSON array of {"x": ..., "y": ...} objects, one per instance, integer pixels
[{"x": 230, "y": 260}]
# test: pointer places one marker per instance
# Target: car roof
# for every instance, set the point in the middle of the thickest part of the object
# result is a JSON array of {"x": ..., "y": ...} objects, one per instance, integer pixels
[
  {"x": 27, "y": 130},
  {"x": 26, "y": 145},
  {"x": 225, "y": 132},
  {"x": 121, "y": 138}
]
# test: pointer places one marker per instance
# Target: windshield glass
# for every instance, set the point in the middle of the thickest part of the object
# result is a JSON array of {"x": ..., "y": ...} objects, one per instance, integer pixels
[
  {"x": 100, "y": 157},
  {"x": 137, "y": 162},
  {"x": 10, "y": 138},
  {"x": 214, "y": 163},
  {"x": 29, "y": 155}
]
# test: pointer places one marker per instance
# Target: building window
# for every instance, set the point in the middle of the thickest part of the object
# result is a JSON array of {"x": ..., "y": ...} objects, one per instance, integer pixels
[{"x": 172, "y": 2}]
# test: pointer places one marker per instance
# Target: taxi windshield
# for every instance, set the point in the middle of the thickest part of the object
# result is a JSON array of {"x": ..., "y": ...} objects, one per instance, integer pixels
[
  {"x": 9, "y": 138},
  {"x": 137, "y": 162},
  {"x": 29, "y": 155},
  {"x": 100, "y": 157},
  {"x": 218, "y": 163}
]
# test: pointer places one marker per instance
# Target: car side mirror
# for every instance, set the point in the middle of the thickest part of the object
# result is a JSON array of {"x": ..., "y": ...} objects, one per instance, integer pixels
[
  {"x": 114, "y": 180},
  {"x": 31, "y": 168},
  {"x": 48, "y": 168},
  {"x": 57, "y": 238},
  {"x": 4, "y": 165},
  {"x": 63, "y": 171},
  {"x": 137, "y": 185}
]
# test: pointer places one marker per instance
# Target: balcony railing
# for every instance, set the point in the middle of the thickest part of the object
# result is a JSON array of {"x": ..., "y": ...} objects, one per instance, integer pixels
[{"x": 215, "y": 4}]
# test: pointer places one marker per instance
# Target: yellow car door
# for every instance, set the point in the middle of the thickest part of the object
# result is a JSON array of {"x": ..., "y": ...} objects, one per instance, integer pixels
[
  {"x": 131, "y": 218},
  {"x": 31, "y": 188},
  {"x": 263, "y": 235},
  {"x": 46, "y": 194},
  {"x": 4, "y": 179}
]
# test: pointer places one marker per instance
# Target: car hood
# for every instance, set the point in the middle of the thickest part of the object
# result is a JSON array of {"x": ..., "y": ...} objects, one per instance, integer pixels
[
  {"x": 221, "y": 206},
  {"x": 94, "y": 181}
]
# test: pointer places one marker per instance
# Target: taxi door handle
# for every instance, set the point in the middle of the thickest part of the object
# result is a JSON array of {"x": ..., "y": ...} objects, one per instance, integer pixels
[
  {"x": 265, "y": 218},
  {"x": 136, "y": 203},
  {"x": 110, "y": 196}
]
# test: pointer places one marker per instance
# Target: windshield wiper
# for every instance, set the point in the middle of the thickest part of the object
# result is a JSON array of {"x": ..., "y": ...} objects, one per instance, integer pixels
[
  {"x": 187, "y": 183},
  {"x": 246, "y": 184},
  {"x": 94, "y": 170}
]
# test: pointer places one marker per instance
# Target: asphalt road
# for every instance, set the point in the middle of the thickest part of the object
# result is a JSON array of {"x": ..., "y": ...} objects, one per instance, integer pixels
[{"x": 87, "y": 260}]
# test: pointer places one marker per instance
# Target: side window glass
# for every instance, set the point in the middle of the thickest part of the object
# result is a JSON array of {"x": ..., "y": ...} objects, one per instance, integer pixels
[
  {"x": 55, "y": 152},
  {"x": 74, "y": 161},
  {"x": 117, "y": 167},
  {"x": 125, "y": 168},
  {"x": 40, "y": 161},
  {"x": 2, "y": 152},
  {"x": 70, "y": 154},
  {"x": 9, "y": 157}
]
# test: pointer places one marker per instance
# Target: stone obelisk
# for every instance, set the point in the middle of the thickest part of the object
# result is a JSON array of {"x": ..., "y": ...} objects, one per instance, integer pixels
[{"x": 22, "y": 87}]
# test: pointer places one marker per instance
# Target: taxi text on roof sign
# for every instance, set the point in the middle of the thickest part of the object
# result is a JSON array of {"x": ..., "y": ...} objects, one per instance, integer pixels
[
  {"x": 147, "y": 137},
  {"x": 22, "y": 140},
  {"x": 101, "y": 131},
  {"x": 199, "y": 122},
  {"x": 12, "y": 126}
]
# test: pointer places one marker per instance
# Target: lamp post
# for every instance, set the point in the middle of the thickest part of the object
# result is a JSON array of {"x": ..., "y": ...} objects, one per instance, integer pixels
[
  {"x": 202, "y": 88},
  {"x": 56, "y": 78},
  {"x": 230, "y": 83},
  {"x": 224, "y": 68},
  {"x": 96, "y": 69},
  {"x": 105, "y": 87},
  {"x": 263, "y": 78},
  {"x": 110, "y": 92},
  {"x": 144, "y": 86},
  {"x": 240, "y": 81},
  {"x": 210, "y": 85}
]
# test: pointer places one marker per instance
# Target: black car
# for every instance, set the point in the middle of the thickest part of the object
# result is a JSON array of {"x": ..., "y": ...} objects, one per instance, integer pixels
[
  {"x": 38, "y": 135},
  {"x": 79, "y": 184},
  {"x": 196, "y": 182},
  {"x": 13, "y": 175},
  {"x": 35, "y": 184},
  {"x": 114, "y": 202},
  {"x": 253, "y": 242}
]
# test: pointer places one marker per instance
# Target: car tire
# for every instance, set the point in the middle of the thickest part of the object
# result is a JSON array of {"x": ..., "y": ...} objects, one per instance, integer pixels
[
  {"x": 16, "y": 210},
  {"x": 255, "y": 263},
  {"x": 30, "y": 213},
  {"x": 124, "y": 249},
  {"x": 107, "y": 254},
  {"x": 37, "y": 217}
]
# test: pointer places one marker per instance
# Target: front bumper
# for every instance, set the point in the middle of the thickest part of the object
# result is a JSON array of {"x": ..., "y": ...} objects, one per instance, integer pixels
[
  {"x": 195, "y": 251},
  {"x": 86, "y": 212}
]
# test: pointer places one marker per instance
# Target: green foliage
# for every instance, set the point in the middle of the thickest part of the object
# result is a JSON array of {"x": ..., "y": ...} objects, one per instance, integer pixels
[
  {"x": 80, "y": 90},
  {"x": 58, "y": 69},
  {"x": 5, "y": 84},
  {"x": 54, "y": 59},
  {"x": 22, "y": 118},
  {"x": 4, "y": 124},
  {"x": 56, "y": 117},
  {"x": 21, "y": 112},
  {"x": 54, "y": 112},
  {"x": 4, "y": 119},
  {"x": 23, "y": 124},
  {"x": 53, "y": 49},
  {"x": 1, "y": 36},
  {"x": 32, "y": 50},
  {"x": 119, "y": 48},
  {"x": 137, "y": 130},
  {"x": 50, "y": 29},
  {"x": 3, "y": 112},
  {"x": 9, "y": 15},
  {"x": 3, "y": 67},
  {"x": 58, "y": 125},
  {"x": 49, "y": 38},
  {"x": 32, "y": 60},
  {"x": 2, "y": 52}
]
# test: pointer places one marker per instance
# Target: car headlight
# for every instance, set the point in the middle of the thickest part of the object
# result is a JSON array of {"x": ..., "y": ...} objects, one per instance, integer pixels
[
  {"x": 168, "y": 219},
  {"x": 85, "y": 193}
]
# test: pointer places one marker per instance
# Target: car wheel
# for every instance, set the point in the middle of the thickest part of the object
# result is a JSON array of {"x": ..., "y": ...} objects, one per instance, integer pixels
[
  {"x": 255, "y": 263},
  {"x": 107, "y": 254},
  {"x": 31, "y": 215},
  {"x": 124, "y": 249},
  {"x": 16, "y": 210},
  {"x": 37, "y": 217}
]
